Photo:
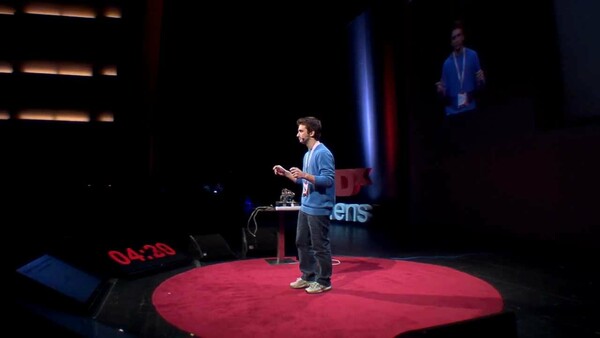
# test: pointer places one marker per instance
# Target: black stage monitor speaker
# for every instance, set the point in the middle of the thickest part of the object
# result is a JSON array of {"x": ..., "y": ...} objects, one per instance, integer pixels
[
  {"x": 48, "y": 279},
  {"x": 262, "y": 243},
  {"x": 501, "y": 325},
  {"x": 212, "y": 247}
]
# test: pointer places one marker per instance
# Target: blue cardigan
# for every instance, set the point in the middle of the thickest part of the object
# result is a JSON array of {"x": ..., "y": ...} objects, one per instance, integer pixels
[{"x": 321, "y": 195}]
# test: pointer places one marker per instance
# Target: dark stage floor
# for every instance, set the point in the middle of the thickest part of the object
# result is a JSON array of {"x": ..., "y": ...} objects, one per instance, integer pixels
[{"x": 552, "y": 293}]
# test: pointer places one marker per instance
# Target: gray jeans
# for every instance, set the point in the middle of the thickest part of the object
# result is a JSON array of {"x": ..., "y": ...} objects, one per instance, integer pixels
[{"x": 314, "y": 249}]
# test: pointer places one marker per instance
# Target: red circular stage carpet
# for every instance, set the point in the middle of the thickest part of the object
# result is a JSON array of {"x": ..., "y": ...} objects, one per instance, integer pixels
[{"x": 371, "y": 297}]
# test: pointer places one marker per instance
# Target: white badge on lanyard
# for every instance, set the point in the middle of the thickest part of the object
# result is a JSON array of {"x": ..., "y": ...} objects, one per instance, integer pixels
[{"x": 462, "y": 99}]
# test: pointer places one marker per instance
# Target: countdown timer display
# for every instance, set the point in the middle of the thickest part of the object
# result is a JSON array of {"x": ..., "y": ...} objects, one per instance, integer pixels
[{"x": 136, "y": 258}]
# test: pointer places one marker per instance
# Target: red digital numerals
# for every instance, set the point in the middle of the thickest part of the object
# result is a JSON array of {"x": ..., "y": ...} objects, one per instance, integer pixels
[{"x": 146, "y": 252}]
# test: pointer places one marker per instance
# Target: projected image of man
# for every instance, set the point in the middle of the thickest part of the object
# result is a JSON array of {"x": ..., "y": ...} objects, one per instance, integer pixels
[{"x": 462, "y": 76}]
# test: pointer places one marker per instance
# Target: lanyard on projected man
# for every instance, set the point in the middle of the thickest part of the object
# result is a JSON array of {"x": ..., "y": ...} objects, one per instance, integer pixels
[
  {"x": 462, "y": 96},
  {"x": 305, "y": 183}
]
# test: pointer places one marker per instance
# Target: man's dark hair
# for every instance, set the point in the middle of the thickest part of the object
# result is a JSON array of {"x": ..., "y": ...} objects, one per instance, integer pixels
[
  {"x": 312, "y": 124},
  {"x": 458, "y": 24}
]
